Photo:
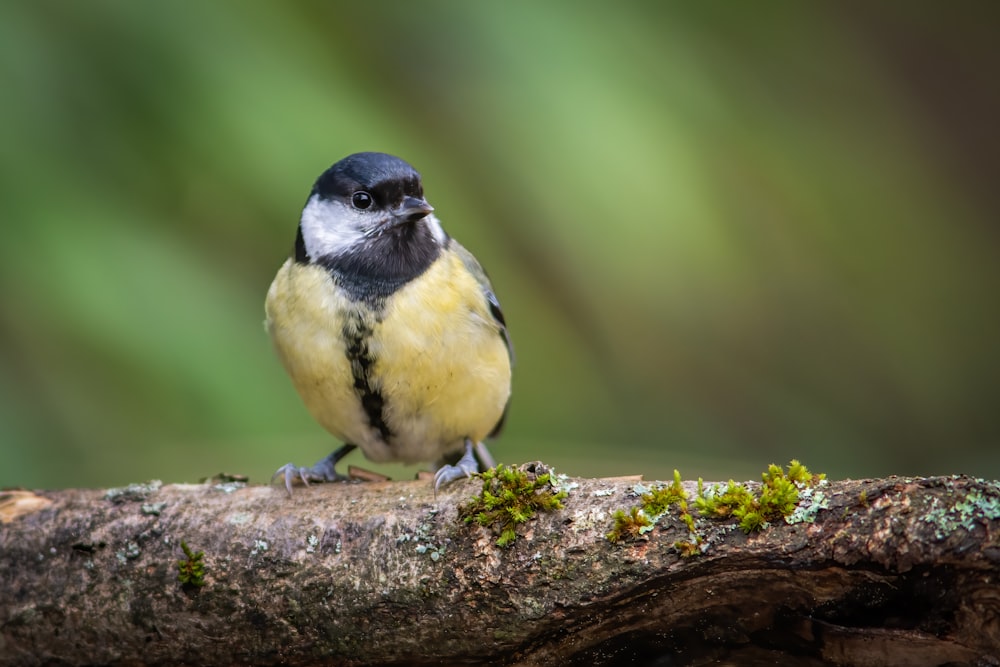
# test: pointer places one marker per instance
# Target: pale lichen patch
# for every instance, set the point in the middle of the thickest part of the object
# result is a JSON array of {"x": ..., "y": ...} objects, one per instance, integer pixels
[{"x": 977, "y": 506}]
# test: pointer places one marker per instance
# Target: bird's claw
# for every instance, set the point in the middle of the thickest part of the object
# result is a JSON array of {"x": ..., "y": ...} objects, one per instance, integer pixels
[
  {"x": 467, "y": 466},
  {"x": 322, "y": 471}
]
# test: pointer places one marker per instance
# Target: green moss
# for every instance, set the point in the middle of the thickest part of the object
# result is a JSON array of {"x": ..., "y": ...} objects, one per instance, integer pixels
[
  {"x": 799, "y": 474},
  {"x": 689, "y": 548},
  {"x": 511, "y": 496},
  {"x": 629, "y": 525},
  {"x": 657, "y": 501},
  {"x": 778, "y": 497},
  {"x": 790, "y": 495},
  {"x": 718, "y": 503},
  {"x": 191, "y": 570}
]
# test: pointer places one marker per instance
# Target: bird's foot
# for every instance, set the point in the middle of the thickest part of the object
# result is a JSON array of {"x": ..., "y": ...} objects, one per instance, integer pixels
[
  {"x": 467, "y": 466},
  {"x": 322, "y": 471}
]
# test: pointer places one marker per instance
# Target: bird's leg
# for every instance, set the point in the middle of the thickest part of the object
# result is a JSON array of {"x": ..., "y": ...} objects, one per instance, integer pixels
[
  {"x": 466, "y": 466},
  {"x": 486, "y": 460},
  {"x": 322, "y": 471}
]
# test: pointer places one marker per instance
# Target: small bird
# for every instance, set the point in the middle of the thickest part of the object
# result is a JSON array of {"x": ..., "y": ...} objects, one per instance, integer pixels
[{"x": 388, "y": 327}]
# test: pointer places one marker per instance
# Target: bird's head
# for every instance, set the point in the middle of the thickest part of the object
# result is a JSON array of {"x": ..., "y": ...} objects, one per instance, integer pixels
[{"x": 360, "y": 200}]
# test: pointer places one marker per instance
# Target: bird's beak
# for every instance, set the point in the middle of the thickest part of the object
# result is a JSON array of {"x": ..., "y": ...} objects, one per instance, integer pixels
[{"x": 412, "y": 209}]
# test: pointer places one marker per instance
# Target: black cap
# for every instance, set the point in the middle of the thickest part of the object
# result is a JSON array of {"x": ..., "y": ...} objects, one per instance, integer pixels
[{"x": 386, "y": 177}]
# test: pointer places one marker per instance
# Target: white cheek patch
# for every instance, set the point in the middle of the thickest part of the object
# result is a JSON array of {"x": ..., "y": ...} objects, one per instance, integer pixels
[
  {"x": 437, "y": 231},
  {"x": 331, "y": 227}
]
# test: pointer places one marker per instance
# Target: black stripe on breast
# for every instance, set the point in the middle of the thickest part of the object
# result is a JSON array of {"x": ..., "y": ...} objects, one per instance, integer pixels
[{"x": 356, "y": 334}]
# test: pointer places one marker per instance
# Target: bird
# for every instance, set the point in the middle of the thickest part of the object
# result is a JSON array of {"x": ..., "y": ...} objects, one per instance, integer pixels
[{"x": 389, "y": 328}]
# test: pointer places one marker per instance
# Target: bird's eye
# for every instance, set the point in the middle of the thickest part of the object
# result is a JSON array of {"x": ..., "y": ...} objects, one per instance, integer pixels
[{"x": 361, "y": 200}]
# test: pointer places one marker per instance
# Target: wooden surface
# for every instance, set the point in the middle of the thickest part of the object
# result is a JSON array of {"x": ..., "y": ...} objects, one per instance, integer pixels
[{"x": 892, "y": 572}]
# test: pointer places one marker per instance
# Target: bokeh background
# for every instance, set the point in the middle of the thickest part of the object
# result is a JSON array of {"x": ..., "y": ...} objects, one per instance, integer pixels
[{"x": 724, "y": 234}]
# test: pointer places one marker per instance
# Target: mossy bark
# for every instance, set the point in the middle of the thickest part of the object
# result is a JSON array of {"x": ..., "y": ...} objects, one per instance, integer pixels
[{"x": 892, "y": 571}]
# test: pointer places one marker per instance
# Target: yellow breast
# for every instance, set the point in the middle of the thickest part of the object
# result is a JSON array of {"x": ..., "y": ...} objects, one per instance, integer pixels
[{"x": 438, "y": 361}]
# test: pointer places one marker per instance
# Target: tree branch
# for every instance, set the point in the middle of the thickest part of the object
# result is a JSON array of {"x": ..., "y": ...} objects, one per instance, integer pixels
[{"x": 384, "y": 573}]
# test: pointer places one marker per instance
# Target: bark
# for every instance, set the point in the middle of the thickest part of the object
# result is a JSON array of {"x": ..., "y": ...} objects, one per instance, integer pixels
[{"x": 882, "y": 572}]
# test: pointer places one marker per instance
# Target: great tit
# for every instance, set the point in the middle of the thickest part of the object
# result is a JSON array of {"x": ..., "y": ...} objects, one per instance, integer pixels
[{"x": 388, "y": 327}]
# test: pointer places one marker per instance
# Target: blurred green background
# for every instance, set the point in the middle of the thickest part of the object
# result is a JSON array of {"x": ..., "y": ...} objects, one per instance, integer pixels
[{"x": 724, "y": 234}]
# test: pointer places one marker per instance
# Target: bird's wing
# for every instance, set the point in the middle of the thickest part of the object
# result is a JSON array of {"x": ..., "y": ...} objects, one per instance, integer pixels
[
  {"x": 487, "y": 288},
  {"x": 474, "y": 267}
]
